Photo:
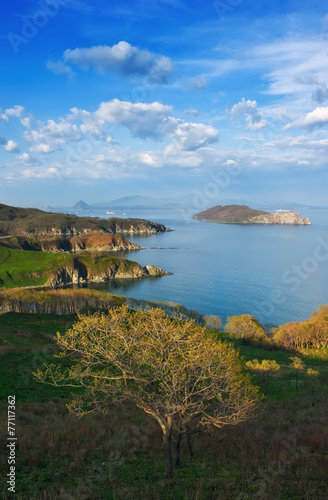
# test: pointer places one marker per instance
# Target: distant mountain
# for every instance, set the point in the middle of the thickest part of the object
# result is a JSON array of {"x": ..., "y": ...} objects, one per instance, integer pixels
[
  {"x": 130, "y": 203},
  {"x": 81, "y": 205},
  {"x": 127, "y": 201},
  {"x": 192, "y": 202}
]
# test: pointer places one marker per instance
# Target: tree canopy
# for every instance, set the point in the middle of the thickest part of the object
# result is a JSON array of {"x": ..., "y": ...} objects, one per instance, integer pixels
[
  {"x": 246, "y": 327},
  {"x": 174, "y": 370}
]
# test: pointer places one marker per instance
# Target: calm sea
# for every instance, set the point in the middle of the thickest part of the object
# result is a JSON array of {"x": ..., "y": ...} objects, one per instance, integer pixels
[{"x": 277, "y": 273}]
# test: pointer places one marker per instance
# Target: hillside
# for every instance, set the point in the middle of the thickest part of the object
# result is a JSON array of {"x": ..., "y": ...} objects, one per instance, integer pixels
[
  {"x": 30, "y": 221},
  {"x": 21, "y": 268},
  {"x": 94, "y": 242},
  {"x": 241, "y": 214}
]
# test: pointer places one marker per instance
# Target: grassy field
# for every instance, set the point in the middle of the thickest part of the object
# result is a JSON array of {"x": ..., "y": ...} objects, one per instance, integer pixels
[
  {"x": 281, "y": 453},
  {"x": 27, "y": 268}
]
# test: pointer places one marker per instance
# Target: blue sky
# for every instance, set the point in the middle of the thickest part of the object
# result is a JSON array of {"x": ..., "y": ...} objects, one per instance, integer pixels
[{"x": 167, "y": 98}]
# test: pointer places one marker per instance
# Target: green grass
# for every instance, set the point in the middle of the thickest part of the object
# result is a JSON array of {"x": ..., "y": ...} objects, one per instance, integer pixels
[
  {"x": 279, "y": 454},
  {"x": 28, "y": 268}
]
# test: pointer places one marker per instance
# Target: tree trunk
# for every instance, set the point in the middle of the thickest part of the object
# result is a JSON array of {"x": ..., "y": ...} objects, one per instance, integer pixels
[
  {"x": 191, "y": 453},
  {"x": 178, "y": 450},
  {"x": 168, "y": 456},
  {"x": 168, "y": 449}
]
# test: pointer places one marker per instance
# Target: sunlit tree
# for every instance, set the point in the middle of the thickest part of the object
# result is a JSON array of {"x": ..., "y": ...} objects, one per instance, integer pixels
[
  {"x": 298, "y": 365},
  {"x": 174, "y": 370},
  {"x": 265, "y": 370},
  {"x": 246, "y": 327}
]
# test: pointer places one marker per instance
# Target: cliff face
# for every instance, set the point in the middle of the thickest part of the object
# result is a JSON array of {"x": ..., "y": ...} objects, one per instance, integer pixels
[
  {"x": 283, "y": 218},
  {"x": 80, "y": 273},
  {"x": 134, "y": 226},
  {"x": 241, "y": 214},
  {"x": 88, "y": 243}
]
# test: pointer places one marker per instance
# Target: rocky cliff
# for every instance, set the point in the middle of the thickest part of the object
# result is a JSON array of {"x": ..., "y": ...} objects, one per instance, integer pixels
[
  {"x": 241, "y": 214},
  {"x": 88, "y": 243},
  {"x": 79, "y": 272},
  {"x": 283, "y": 218}
]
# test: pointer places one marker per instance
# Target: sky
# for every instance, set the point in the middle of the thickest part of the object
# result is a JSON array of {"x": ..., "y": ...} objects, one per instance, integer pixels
[{"x": 210, "y": 100}]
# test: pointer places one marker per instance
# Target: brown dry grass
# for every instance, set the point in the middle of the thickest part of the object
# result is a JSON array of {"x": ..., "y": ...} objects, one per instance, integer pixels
[{"x": 280, "y": 454}]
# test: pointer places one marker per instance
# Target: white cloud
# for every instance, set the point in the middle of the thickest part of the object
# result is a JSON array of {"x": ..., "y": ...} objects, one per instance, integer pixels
[
  {"x": 229, "y": 163},
  {"x": 11, "y": 147},
  {"x": 124, "y": 59},
  {"x": 24, "y": 157},
  {"x": 298, "y": 142},
  {"x": 316, "y": 118},
  {"x": 59, "y": 68},
  {"x": 26, "y": 122},
  {"x": 191, "y": 136},
  {"x": 16, "y": 111},
  {"x": 48, "y": 138},
  {"x": 249, "y": 110},
  {"x": 143, "y": 120}
]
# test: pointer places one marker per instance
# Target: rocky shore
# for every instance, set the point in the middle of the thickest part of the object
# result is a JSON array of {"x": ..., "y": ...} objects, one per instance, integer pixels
[{"x": 80, "y": 273}]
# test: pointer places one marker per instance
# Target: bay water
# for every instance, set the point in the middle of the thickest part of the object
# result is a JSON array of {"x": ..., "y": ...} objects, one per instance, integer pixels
[{"x": 276, "y": 273}]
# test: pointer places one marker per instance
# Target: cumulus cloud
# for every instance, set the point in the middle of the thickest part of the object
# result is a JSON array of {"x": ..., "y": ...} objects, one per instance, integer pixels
[
  {"x": 191, "y": 136},
  {"x": 60, "y": 68},
  {"x": 143, "y": 120},
  {"x": 11, "y": 147},
  {"x": 15, "y": 112},
  {"x": 316, "y": 118},
  {"x": 124, "y": 59},
  {"x": 47, "y": 138},
  {"x": 249, "y": 110},
  {"x": 24, "y": 157},
  {"x": 26, "y": 122}
]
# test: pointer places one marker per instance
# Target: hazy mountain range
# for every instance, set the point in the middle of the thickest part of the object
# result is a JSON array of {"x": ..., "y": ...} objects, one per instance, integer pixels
[{"x": 188, "y": 202}]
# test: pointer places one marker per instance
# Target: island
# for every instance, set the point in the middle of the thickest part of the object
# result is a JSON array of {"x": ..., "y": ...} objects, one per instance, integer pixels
[{"x": 241, "y": 214}]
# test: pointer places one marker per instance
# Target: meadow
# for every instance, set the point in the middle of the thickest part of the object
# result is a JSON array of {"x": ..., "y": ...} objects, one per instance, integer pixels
[{"x": 280, "y": 453}]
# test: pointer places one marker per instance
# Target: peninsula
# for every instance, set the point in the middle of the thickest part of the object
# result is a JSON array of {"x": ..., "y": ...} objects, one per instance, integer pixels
[
  {"x": 33, "y": 245},
  {"x": 241, "y": 214}
]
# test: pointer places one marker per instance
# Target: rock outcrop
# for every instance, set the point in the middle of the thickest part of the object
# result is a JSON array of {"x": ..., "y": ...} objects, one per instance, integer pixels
[
  {"x": 293, "y": 218},
  {"x": 88, "y": 243},
  {"x": 79, "y": 273}
]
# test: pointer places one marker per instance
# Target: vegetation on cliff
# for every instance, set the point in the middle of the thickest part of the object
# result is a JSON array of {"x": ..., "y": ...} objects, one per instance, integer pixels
[
  {"x": 30, "y": 221},
  {"x": 92, "y": 242},
  {"x": 26, "y": 268}
]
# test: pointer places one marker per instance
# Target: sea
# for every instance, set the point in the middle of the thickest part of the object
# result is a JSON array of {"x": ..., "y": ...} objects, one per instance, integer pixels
[{"x": 277, "y": 273}]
